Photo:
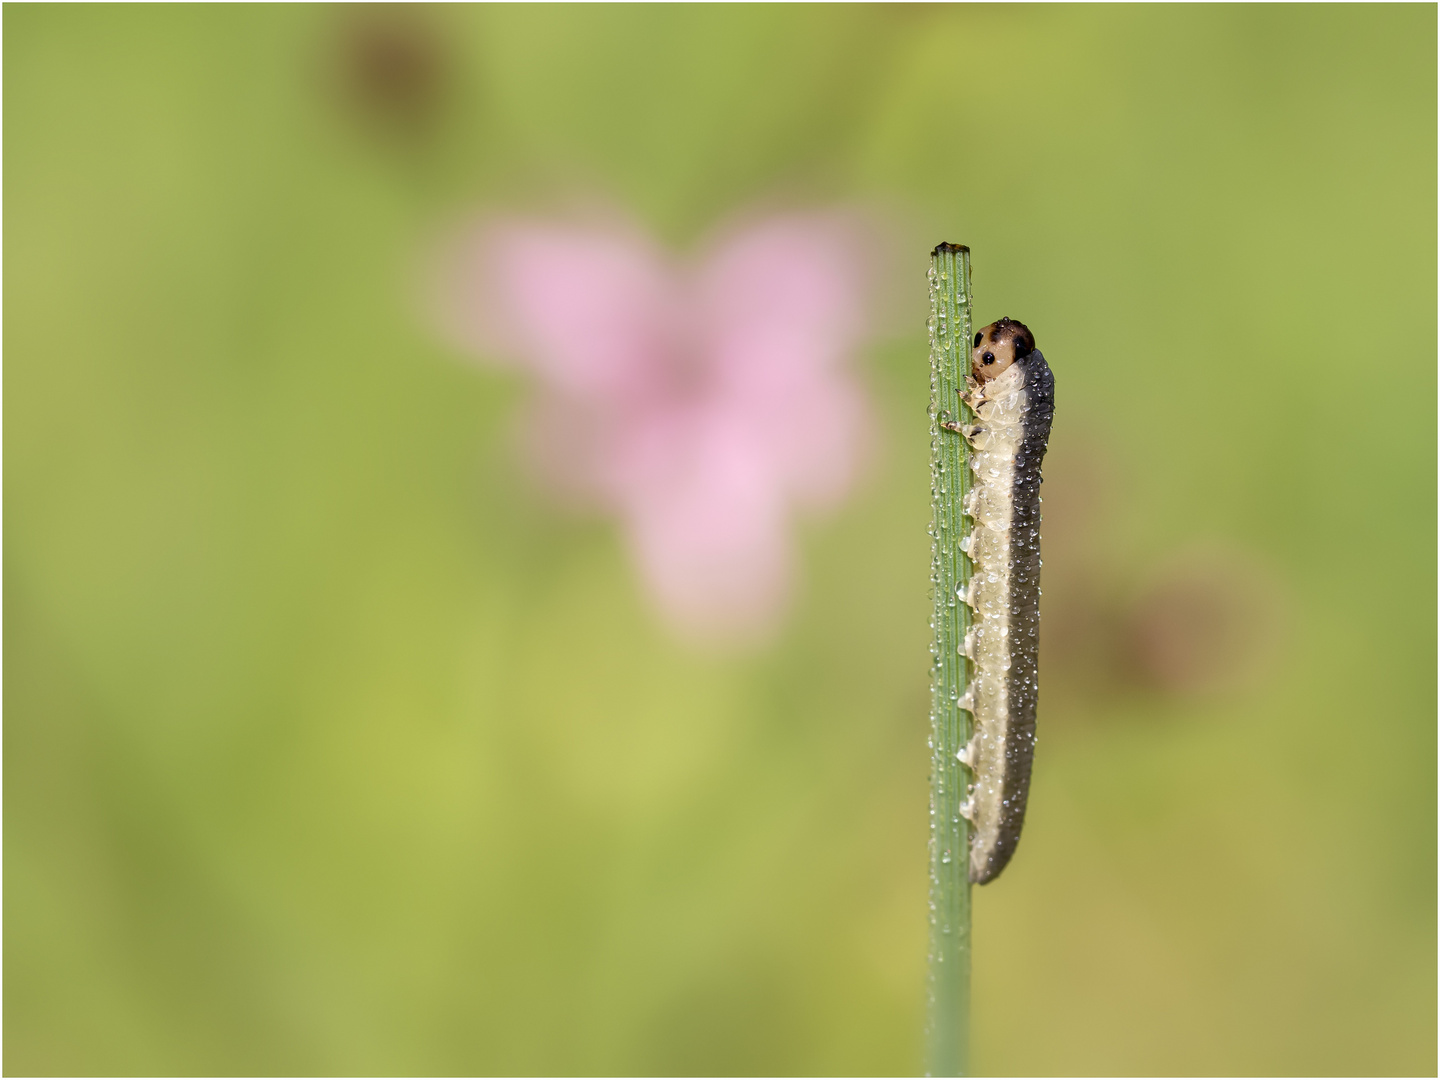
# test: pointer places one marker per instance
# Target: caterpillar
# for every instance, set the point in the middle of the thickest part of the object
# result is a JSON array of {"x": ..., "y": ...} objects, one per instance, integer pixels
[{"x": 1012, "y": 393}]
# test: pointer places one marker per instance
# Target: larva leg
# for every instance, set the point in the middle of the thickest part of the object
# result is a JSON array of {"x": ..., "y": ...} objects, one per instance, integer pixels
[
  {"x": 966, "y": 755},
  {"x": 969, "y": 432},
  {"x": 967, "y": 647}
]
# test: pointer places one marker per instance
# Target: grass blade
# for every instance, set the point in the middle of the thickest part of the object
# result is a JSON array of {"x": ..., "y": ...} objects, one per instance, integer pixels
[{"x": 948, "y": 1022}]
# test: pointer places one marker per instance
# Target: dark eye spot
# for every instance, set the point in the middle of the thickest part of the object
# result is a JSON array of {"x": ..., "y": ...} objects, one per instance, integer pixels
[
  {"x": 988, "y": 357},
  {"x": 977, "y": 339}
]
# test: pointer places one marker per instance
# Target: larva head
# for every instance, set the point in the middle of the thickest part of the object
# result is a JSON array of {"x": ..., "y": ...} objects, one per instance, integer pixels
[{"x": 998, "y": 346}]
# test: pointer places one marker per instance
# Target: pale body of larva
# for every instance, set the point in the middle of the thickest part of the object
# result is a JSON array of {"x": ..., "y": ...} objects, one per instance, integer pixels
[{"x": 1013, "y": 396}]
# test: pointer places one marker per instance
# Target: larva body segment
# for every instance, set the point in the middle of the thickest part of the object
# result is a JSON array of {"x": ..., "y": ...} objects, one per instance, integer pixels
[{"x": 1013, "y": 397}]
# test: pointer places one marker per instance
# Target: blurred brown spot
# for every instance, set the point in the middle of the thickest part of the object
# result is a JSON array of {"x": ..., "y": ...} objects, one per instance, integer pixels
[
  {"x": 1081, "y": 620},
  {"x": 1082, "y": 608},
  {"x": 392, "y": 67},
  {"x": 1209, "y": 621},
  {"x": 1080, "y": 494},
  {"x": 911, "y": 12}
]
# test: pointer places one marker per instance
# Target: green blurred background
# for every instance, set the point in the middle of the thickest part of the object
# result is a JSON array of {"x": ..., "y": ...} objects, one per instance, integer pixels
[{"x": 330, "y": 747}]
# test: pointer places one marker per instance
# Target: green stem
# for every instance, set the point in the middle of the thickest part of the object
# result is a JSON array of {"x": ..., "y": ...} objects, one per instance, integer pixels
[{"x": 948, "y": 1027}]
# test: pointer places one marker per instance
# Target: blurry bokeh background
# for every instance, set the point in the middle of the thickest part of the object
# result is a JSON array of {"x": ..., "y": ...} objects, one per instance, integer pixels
[{"x": 332, "y": 745}]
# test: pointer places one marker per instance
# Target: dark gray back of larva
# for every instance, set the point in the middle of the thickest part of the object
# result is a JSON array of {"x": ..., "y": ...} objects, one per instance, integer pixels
[{"x": 1024, "y": 639}]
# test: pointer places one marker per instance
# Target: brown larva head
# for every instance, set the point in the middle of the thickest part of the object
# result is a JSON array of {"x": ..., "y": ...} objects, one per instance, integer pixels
[{"x": 998, "y": 346}]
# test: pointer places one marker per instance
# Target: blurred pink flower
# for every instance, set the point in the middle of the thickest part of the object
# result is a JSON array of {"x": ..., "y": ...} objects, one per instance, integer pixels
[{"x": 700, "y": 401}]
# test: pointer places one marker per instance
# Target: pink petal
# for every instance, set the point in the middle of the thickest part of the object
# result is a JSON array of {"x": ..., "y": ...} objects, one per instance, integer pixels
[
  {"x": 785, "y": 303},
  {"x": 787, "y": 293},
  {"x": 708, "y": 529},
  {"x": 591, "y": 310}
]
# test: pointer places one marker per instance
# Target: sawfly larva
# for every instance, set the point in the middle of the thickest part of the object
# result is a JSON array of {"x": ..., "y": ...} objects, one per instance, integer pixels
[{"x": 1012, "y": 394}]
